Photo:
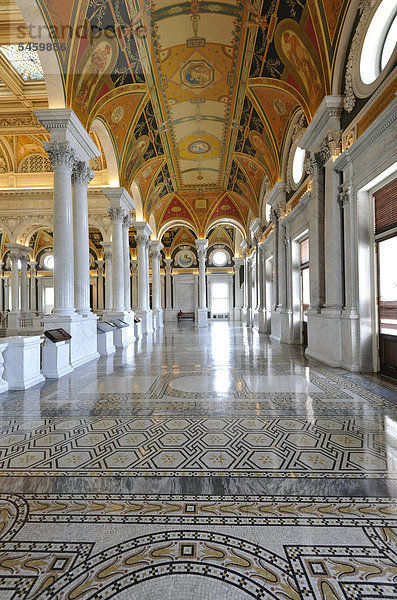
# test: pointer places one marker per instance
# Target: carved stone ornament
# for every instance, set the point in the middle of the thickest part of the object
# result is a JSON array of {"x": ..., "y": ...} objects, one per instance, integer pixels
[
  {"x": 82, "y": 173},
  {"x": 349, "y": 101},
  {"x": 141, "y": 240},
  {"x": 116, "y": 215},
  {"x": 127, "y": 221},
  {"x": 61, "y": 155}
]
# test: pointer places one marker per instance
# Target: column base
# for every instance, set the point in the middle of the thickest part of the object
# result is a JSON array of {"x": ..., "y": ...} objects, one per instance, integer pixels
[
  {"x": 249, "y": 316},
  {"x": 201, "y": 317},
  {"x": 170, "y": 314},
  {"x": 146, "y": 317},
  {"x": 262, "y": 321},
  {"x": 158, "y": 319},
  {"x": 83, "y": 345},
  {"x": 122, "y": 337},
  {"x": 235, "y": 314}
]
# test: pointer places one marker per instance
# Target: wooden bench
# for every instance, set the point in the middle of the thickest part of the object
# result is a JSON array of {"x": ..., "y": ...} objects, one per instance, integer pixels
[{"x": 185, "y": 316}]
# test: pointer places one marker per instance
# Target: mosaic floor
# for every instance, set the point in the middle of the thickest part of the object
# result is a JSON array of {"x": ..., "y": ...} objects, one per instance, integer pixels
[{"x": 200, "y": 465}]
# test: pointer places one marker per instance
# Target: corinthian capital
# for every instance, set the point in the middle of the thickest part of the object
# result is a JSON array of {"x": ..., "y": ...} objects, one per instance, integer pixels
[
  {"x": 141, "y": 240},
  {"x": 61, "y": 155},
  {"x": 116, "y": 215},
  {"x": 127, "y": 221},
  {"x": 82, "y": 173}
]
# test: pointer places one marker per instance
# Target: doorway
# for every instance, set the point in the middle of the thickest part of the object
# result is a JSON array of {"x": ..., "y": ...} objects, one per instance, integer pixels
[{"x": 304, "y": 287}]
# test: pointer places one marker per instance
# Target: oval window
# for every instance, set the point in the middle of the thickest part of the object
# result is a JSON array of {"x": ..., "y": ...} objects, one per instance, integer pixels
[
  {"x": 219, "y": 258},
  {"x": 379, "y": 42},
  {"x": 49, "y": 262},
  {"x": 298, "y": 164}
]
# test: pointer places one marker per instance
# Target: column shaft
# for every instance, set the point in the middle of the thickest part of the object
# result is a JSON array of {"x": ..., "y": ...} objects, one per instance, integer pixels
[
  {"x": 100, "y": 284},
  {"x": 63, "y": 160},
  {"x": 142, "y": 267},
  {"x": 127, "y": 268},
  {"x": 14, "y": 282},
  {"x": 81, "y": 176},
  {"x": 24, "y": 284},
  {"x": 117, "y": 215},
  {"x": 168, "y": 283}
]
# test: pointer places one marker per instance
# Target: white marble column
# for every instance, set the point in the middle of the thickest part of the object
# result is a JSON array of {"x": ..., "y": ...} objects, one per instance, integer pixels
[
  {"x": 24, "y": 284},
  {"x": 2, "y": 303},
  {"x": 40, "y": 295},
  {"x": 14, "y": 258},
  {"x": 168, "y": 284},
  {"x": 202, "y": 311},
  {"x": 142, "y": 276},
  {"x": 116, "y": 216},
  {"x": 262, "y": 291},
  {"x": 63, "y": 159},
  {"x": 143, "y": 231},
  {"x": 249, "y": 319},
  {"x": 81, "y": 177},
  {"x": 134, "y": 282},
  {"x": 127, "y": 221},
  {"x": 100, "y": 284},
  {"x": 238, "y": 292},
  {"x": 316, "y": 237},
  {"x": 33, "y": 300},
  {"x": 107, "y": 255},
  {"x": 155, "y": 253}
]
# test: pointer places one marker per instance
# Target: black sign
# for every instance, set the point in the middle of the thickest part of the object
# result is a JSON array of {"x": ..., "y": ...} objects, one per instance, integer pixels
[{"x": 57, "y": 335}]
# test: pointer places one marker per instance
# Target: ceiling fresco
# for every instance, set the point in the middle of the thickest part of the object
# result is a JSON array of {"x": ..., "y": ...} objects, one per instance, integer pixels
[{"x": 198, "y": 97}]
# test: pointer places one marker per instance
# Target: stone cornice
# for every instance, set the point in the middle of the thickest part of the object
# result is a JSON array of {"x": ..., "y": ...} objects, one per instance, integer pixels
[
  {"x": 304, "y": 201},
  {"x": 326, "y": 118},
  {"x": 65, "y": 126},
  {"x": 381, "y": 124}
]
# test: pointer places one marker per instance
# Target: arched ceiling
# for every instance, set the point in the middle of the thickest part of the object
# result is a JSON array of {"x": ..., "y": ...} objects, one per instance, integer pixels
[{"x": 197, "y": 96}]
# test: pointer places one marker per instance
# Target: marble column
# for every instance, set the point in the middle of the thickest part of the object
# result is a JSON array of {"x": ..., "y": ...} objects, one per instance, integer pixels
[
  {"x": 143, "y": 231},
  {"x": 107, "y": 255},
  {"x": 14, "y": 258},
  {"x": 63, "y": 159},
  {"x": 6, "y": 293},
  {"x": 2, "y": 303},
  {"x": 316, "y": 237},
  {"x": 142, "y": 275},
  {"x": 33, "y": 299},
  {"x": 40, "y": 295},
  {"x": 134, "y": 282},
  {"x": 24, "y": 284},
  {"x": 249, "y": 315},
  {"x": 155, "y": 253},
  {"x": 117, "y": 216},
  {"x": 262, "y": 291},
  {"x": 202, "y": 311},
  {"x": 127, "y": 221},
  {"x": 100, "y": 284},
  {"x": 238, "y": 293},
  {"x": 168, "y": 284},
  {"x": 81, "y": 177}
]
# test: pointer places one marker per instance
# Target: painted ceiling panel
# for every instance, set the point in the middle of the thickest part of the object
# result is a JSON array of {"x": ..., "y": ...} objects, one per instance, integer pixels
[{"x": 224, "y": 80}]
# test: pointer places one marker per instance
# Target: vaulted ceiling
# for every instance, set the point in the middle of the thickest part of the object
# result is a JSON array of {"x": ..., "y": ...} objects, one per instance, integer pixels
[{"x": 196, "y": 96}]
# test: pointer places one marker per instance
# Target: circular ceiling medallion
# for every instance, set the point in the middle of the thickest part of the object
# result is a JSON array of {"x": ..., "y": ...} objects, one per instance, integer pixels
[
  {"x": 199, "y": 147},
  {"x": 117, "y": 114}
]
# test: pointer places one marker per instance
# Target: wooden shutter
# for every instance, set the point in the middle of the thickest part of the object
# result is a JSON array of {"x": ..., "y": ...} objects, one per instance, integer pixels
[{"x": 386, "y": 207}]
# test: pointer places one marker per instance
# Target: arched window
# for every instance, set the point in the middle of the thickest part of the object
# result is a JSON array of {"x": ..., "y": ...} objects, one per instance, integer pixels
[
  {"x": 48, "y": 262},
  {"x": 379, "y": 41}
]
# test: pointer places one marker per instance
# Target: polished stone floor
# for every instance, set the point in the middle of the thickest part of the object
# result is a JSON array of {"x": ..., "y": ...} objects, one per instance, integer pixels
[{"x": 200, "y": 464}]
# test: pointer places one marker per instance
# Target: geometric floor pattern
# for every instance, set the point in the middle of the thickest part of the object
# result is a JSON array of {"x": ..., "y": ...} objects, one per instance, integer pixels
[
  {"x": 186, "y": 446},
  {"x": 200, "y": 464},
  {"x": 235, "y": 547}
]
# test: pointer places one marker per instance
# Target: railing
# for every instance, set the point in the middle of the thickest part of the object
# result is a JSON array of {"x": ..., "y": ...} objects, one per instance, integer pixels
[
  {"x": 25, "y": 322},
  {"x": 4, "y": 321}
]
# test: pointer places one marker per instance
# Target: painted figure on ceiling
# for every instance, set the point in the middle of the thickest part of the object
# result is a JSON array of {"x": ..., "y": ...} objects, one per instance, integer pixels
[{"x": 96, "y": 67}]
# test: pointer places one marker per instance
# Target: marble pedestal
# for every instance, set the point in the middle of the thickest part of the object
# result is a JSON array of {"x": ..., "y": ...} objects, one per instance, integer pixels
[
  {"x": 157, "y": 318},
  {"x": 105, "y": 343},
  {"x": 3, "y": 382},
  {"x": 83, "y": 329},
  {"x": 138, "y": 330},
  {"x": 122, "y": 337},
  {"x": 201, "y": 317},
  {"x": 55, "y": 359},
  {"x": 13, "y": 323},
  {"x": 22, "y": 362},
  {"x": 146, "y": 317}
]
